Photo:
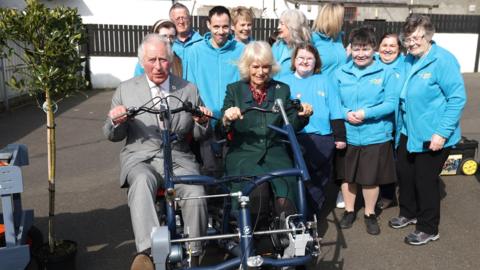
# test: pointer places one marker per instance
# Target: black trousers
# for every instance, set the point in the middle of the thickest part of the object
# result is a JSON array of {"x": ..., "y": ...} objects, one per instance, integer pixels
[{"x": 418, "y": 183}]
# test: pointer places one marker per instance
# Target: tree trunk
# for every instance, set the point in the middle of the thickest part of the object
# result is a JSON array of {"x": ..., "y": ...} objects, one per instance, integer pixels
[{"x": 51, "y": 153}]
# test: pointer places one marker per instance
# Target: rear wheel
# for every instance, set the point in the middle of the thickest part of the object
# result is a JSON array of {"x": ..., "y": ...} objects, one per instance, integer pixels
[{"x": 469, "y": 166}]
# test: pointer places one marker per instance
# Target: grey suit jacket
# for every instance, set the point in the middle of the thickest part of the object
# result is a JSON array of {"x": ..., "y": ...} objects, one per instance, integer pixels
[{"x": 142, "y": 133}]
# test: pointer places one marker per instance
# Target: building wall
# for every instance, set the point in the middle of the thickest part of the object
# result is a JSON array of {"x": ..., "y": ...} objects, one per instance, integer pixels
[
  {"x": 110, "y": 71},
  {"x": 471, "y": 7},
  {"x": 146, "y": 12}
]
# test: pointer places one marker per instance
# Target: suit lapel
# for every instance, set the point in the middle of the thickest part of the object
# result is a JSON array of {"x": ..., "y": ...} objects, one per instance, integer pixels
[
  {"x": 144, "y": 96},
  {"x": 174, "y": 103}
]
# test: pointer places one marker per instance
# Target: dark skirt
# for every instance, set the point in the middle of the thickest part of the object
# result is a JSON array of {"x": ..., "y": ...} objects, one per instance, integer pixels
[{"x": 370, "y": 165}]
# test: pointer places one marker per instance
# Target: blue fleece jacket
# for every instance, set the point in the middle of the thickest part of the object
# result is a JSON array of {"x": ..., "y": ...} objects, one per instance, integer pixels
[
  {"x": 332, "y": 53},
  {"x": 283, "y": 56},
  {"x": 432, "y": 99},
  {"x": 317, "y": 90},
  {"x": 372, "y": 89},
  {"x": 182, "y": 48},
  {"x": 212, "y": 69}
]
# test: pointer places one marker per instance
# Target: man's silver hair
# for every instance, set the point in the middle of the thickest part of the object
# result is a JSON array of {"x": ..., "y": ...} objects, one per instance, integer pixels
[{"x": 157, "y": 39}]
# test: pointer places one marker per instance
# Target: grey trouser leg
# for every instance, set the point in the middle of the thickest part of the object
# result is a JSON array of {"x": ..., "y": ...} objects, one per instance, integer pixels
[
  {"x": 141, "y": 200},
  {"x": 194, "y": 212}
]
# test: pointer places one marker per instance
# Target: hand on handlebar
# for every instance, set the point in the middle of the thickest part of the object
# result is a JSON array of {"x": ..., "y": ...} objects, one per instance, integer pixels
[
  {"x": 205, "y": 116},
  {"x": 306, "y": 110},
  {"x": 118, "y": 114},
  {"x": 231, "y": 114}
]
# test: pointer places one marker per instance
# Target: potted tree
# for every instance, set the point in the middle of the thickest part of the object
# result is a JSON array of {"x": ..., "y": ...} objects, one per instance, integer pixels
[{"x": 49, "y": 40}]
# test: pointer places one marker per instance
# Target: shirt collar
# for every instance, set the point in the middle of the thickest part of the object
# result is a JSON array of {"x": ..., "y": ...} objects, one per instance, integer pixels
[{"x": 165, "y": 86}]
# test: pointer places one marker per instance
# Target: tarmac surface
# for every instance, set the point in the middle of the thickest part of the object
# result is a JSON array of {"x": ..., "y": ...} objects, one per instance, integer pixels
[{"x": 91, "y": 208}]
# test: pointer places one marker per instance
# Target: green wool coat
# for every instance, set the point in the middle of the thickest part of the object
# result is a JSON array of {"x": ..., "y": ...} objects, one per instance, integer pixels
[{"x": 254, "y": 148}]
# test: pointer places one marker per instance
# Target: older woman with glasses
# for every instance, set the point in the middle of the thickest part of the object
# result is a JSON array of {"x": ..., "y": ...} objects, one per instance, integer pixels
[
  {"x": 431, "y": 103},
  {"x": 254, "y": 148},
  {"x": 326, "y": 129},
  {"x": 293, "y": 30}
]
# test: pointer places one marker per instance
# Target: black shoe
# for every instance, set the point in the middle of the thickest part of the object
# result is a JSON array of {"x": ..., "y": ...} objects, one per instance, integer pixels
[
  {"x": 347, "y": 220},
  {"x": 386, "y": 203},
  {"x": 372, "y": 224}
]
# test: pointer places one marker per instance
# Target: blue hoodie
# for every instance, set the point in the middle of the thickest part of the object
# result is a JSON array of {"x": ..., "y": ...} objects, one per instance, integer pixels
[
  {"x": 332, "y": 53},
  {"x": 432, "y": 99},
  {"x": 182, "y": 48},
  {"x": 373, "y": 89},
  {"x": 283, "y": 56},
  {"x": 318, "y": 91},
  {"x": 212, "y": 69}
]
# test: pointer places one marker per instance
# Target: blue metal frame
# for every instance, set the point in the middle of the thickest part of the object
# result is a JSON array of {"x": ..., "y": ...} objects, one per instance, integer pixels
[{"x": 246, "y": 232}]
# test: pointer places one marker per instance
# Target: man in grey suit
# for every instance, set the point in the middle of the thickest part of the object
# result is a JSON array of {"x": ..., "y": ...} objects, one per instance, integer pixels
[{"x": 142, "y": 156}]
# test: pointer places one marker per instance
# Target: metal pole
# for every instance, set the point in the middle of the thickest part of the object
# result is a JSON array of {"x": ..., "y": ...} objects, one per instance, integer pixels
[{"x": 232, "y": 235}]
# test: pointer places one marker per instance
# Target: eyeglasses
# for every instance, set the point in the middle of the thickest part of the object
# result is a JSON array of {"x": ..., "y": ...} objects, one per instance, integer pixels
[
  {"x": 305, "y": 59},
  {"x": 169, "y": 37},
  {"x": 414, "y": 39},
  {"x": 178, "y": 19}
]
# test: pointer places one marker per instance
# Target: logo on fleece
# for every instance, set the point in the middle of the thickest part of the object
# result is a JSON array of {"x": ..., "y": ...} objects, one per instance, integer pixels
[
  {"x": 425, "y": 75},
  {"x": 376, "y": 81},
  {"x": 321, "y": 93}
]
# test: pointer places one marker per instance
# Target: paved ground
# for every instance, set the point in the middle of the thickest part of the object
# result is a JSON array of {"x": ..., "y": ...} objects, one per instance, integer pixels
[{"x": 91, "y": 208}]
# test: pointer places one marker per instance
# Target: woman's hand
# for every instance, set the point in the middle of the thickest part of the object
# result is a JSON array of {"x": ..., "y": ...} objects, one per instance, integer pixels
[
  {"x": 352, "y": 118},
  {"x": 231, "y": 114},
  {"x": 436, "y": 142},
  {"x": 340, "y": 145},
  {"x": 360, "y": 115},
  {"x": 306, "y": 111}
]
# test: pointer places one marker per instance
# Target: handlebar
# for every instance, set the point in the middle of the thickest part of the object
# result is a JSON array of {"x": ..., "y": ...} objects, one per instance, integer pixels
[
  {"x": 296, "y": 105},
  {"x": 187, "y": 106}
]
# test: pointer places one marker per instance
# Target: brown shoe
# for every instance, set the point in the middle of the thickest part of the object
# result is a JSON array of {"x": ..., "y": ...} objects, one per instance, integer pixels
[{"x": 142, "y": 262}]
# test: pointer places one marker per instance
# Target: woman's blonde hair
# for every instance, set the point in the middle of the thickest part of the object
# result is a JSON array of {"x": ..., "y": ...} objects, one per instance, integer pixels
[
  {"x": 241, "y": 12},
  {"x": 330, "y": 20},
  {"x": 297, "y": 25},
  {"x": 257, "y": 51}
]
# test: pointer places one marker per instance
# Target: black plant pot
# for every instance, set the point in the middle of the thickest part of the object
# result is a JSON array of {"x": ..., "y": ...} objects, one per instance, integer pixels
[{"x": 62, "y": 258}]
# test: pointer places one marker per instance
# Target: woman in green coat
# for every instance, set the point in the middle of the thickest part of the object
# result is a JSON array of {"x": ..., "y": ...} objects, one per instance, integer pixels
[{"x": 255, "y": 149}]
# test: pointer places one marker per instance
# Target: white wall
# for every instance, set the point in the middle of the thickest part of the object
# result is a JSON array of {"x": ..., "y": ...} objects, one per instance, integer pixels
[
  {"x": 463, "y": 46},
  {"x": 108, "y": 72}
]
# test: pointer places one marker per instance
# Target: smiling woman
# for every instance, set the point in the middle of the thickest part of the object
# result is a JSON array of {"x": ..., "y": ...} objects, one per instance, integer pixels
[
  {"x": 431, "y": 104},
  {"x": 254, "y": 149},
  {"x": 242, "y": 21},
  {"x": 368, "y": 92},
  {"x": 326, "y": 129}
]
